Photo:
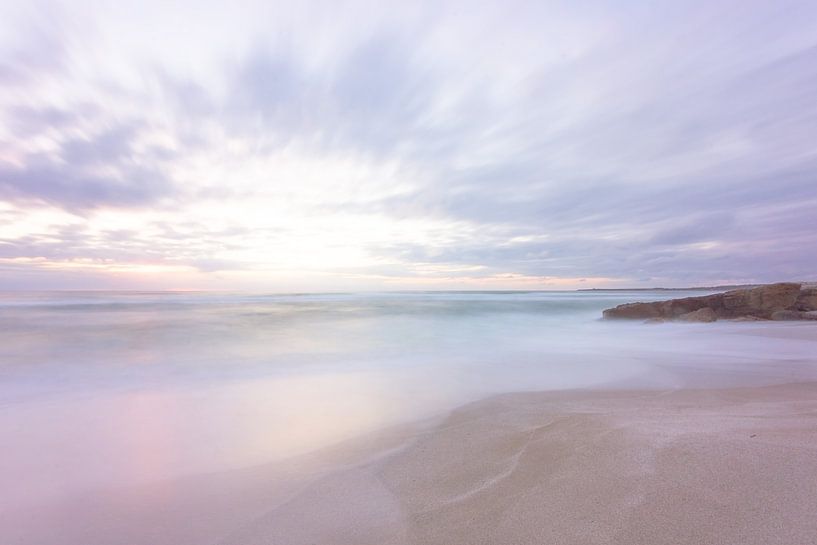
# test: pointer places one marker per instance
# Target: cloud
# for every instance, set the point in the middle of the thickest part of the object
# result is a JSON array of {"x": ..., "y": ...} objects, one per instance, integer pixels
[
  {"x": 374, "y": 97},
  {"x": 87, "y": 173},
  {"x": 39, "y": 54},
  {"x": 645, "y": 143}
]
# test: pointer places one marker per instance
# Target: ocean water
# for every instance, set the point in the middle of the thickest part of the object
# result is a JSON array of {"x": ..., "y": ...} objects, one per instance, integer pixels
[{"x": 103, "y": 390}]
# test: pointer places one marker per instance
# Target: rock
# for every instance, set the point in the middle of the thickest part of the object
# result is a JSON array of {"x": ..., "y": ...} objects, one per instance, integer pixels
[
  {"x": 655, "y": 321},
  {"x": 638, "y": 311},
  {"x": 807, "y": 300},
  {"x": 761, "y": 301},
  {"x": 659, "y": 309},
  {"x": 701, "y": 315},
  {"x": 755, "y": 303},
  {"x": 782, "y": 315},
  {"x": 748, "y": 319}
]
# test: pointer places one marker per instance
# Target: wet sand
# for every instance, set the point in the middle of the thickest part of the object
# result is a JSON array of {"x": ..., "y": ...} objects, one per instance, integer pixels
[{"x": 724, "y": 466}]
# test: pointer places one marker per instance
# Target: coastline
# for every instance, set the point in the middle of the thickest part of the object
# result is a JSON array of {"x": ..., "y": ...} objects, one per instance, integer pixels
[
  {"x": 626, "y": 467},
  {"x": 727, "y": 465},
  {"x": 721, "y": 449}
]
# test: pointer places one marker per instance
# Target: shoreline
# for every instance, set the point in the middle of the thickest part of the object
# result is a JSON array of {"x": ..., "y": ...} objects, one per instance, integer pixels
[
  {"x": 729, "y": 465},
  {"x": 722, "y": 465}
]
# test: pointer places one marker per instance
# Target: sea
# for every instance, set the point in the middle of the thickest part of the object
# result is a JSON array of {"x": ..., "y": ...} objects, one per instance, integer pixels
[{"x": 100, "y": 390}]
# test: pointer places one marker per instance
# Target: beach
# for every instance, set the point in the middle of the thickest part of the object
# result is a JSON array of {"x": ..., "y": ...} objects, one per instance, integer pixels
[
  {"x": 595, "y": 432},
  {"x": 687, "y": 466}
]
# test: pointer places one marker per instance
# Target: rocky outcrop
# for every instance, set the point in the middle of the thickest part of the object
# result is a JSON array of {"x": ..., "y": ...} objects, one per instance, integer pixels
[
  {"x": 794, "y": 315},
  {"x": 761, "y": 302},
  {"x": 748, "y": 319},
  {"x": 661, "y": 309},
  {"x": 807, "y": 301},
  {"x": 705, "y": 314},
  {"x": 784, "y": 301}
]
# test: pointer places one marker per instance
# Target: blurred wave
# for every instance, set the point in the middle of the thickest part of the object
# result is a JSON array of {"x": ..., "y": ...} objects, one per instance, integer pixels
[{"x": 101, "y": 389}]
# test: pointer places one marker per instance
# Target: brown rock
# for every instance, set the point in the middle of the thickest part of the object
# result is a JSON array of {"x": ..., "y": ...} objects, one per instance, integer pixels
[
  {"x": 660, "y": 309},
  {"x": 759, "y": 302},
  {"x": 676, "y": 308},
  {"x": 748, "y": 319},
  {"x": 782, "y": 315},
  {"x": 701, "y": 315},
  {"x": 794, "y": 315},
  {"x": 638, "y": 311},
  {"x": 807, "y": 300}
]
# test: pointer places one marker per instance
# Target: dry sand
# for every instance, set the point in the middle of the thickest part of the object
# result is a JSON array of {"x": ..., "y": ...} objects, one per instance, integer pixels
[
  {"x": 721, "y": 467},
  {"x": 729, "y": 466}
]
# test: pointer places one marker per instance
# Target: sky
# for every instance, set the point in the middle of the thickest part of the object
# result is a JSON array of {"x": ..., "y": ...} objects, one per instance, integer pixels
[{"x": 292, "y": 146}]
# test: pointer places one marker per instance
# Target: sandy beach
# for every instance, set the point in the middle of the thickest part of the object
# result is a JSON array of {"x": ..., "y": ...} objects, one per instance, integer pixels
[
  {"x": 682, "y": 467},
  {"x": 721, "y": 466}
]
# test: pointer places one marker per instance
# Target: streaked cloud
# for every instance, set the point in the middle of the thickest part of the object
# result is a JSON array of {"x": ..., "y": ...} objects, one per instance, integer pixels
[{"x": 387, "y": 145}]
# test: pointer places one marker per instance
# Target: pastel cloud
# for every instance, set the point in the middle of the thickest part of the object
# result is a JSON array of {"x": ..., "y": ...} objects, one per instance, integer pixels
[{"x": 390, "y": 145}]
